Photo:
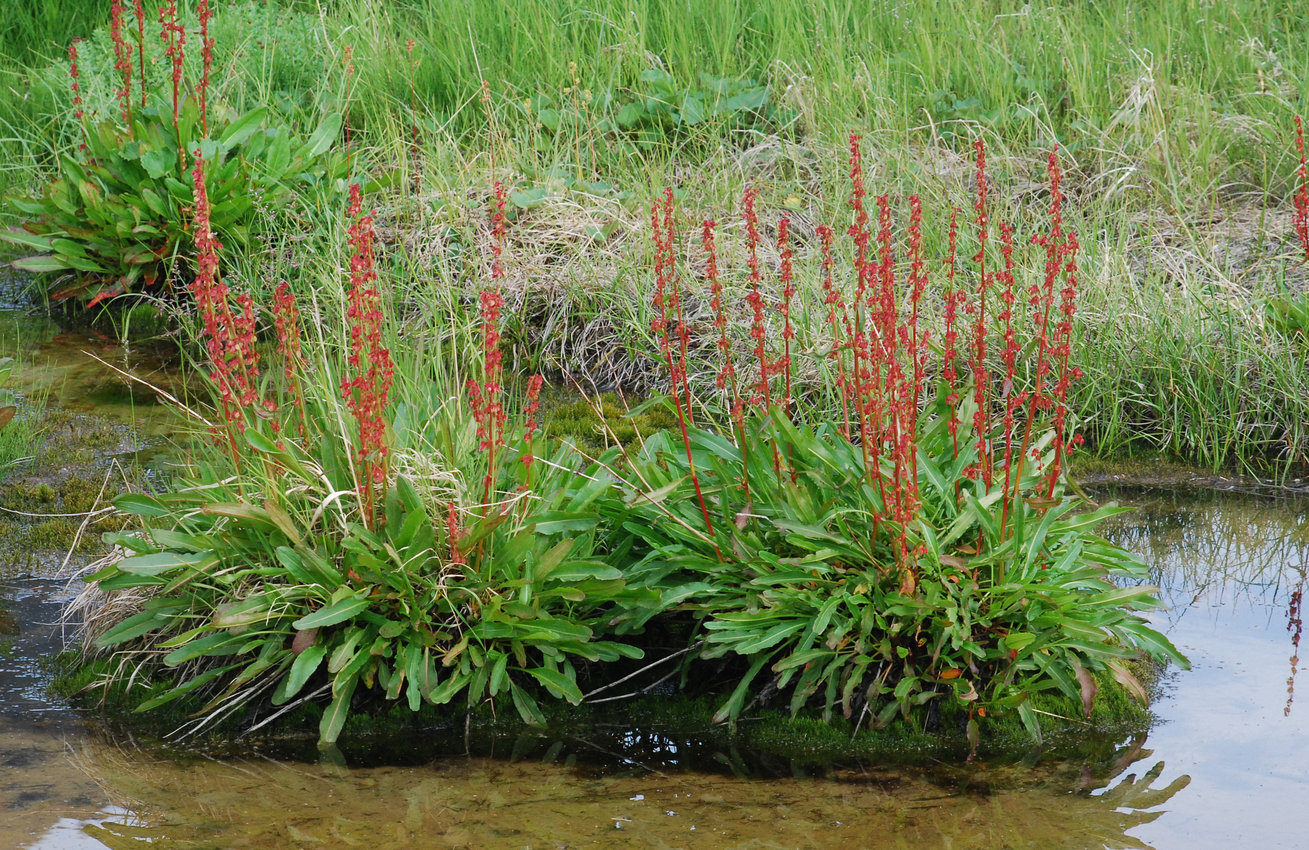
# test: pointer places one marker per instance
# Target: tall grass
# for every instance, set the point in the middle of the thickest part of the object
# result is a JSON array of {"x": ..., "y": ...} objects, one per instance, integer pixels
[{"x": 33, "y": 32}]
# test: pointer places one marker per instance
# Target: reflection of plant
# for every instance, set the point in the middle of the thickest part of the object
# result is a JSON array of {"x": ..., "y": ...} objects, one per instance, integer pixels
[{"x": 17, "y": 433}]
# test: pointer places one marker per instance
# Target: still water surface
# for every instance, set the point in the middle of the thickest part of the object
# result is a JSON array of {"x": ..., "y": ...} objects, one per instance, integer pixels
[{"x": 1227, "y": 765}]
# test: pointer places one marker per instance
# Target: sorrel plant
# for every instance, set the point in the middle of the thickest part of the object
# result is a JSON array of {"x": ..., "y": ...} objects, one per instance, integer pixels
[{"x": 842, "y": 575}]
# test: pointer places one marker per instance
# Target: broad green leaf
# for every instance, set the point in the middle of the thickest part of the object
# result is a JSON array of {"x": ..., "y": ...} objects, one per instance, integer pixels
[
  {"x": 526, "y": 705},
  {"x": 29, "y": 240},
  {"x": 161, "y": 562},
  {"x": 323, "y": 137},
  {"x": 210, "y": 646},
  {"x": 134, "y": 626},
  {"x": 301, "y": 669},
  {"x": 329, "y": 728},
  {"x": 331, "y": 615},
  {"x": 557, "y": 683},
  {"x": 157, "y": 163},
  {"x": 242, "y": 128},
  {"x": 691, "y": 110},
  {"x": 139, "y": 504},
  {"x": 40, "y": 264}
]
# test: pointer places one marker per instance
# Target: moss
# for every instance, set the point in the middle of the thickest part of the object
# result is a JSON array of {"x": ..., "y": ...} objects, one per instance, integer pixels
[
  {"x": 25, "y": 496},
  {"x": 596, "y": 424},
  {"x": 50, "y": 508}
]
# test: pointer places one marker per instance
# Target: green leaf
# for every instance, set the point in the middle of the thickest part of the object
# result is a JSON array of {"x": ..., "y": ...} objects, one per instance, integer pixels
[
  {"x": 1018, "y": 641},
  {"x": 692, "y": 110},
  {"x": 161, "y": 562},
  {"x": 527, "y": 707},
  {"x": 549, "y": 118},
  {"x": 329, "y": 728},
  {"x": 527, "y": 199},
  {"x": 323, "y": 137},
  {"x": 582, "y": 570},
  {"x": 139, "y": 504},
  {"x": 251, "y": 515},
  {"x": 748, "y": 101},
  {"x": 157, "y": 163},
  {"x": 301, "y": 669},
  {"x": 40, "y": 265},
  {"x": 210, "y": 646},
  {"x": 241, "y": 129},
  {"x": 333, "y": 614},
  {"x": 184, "y": 689},
  {"x": 630, "y": 115},
  {"x": 732, "y": 708},
  {"x": 134, "y": 626},
  {"x": 30, "y": 240},
  {"x": 557, "y": 683}
]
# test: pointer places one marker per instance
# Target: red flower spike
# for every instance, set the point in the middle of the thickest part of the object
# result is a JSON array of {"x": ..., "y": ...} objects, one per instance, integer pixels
[
  {"x": 286, "y": 322},
  {"x": 1301, "y": 217},
  {"x": 74, "y": 77},
  {"x": 533, "y": 405},
  {"x": 838, "y": 319},
  {"x": 453, "y": 531},
  {"x": 860, "y": 373},
  {"x": 918, "y": 339},
  {"x": 1040, "y": 300},
  {"x": 755, "y": 299},
  {"x": 204, "y": 13},
  {"x": 788, "y": 292},
  {"x": 484, "y": 396},
  {"x": 981, "y": 418},
  {"x": 367, "y": 384},
  {"x": 122, "y": 61},
  {"x": 1061, "y": 351},
  {"x": 726, "y": 379},
  {"x": 173, "y": 35},
  {"x": 228, "y": 337},
  {"x": 139, "y": 11},
  {"x": 954, "y": 298},
  {"x": 667, "y": 300}
]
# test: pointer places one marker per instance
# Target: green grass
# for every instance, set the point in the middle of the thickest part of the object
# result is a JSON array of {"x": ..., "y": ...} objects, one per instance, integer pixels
[{"x": 35, "y": 31}]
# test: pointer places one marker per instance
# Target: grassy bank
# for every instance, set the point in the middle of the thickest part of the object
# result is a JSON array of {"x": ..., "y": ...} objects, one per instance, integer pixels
[{"x": 1174, "y": 123}]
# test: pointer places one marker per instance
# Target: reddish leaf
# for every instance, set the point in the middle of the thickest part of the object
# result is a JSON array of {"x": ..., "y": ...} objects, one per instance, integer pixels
[{"x": 303, "y": 639}]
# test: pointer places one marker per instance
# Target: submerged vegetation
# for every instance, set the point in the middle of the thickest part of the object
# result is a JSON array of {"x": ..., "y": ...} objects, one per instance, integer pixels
[{"x": 847, "y": 492}]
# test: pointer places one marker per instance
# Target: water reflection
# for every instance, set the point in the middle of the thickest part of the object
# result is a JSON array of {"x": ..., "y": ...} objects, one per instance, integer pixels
[
  {"x": 479, "y": 802},
  {"x": 1228, "y": 567}
]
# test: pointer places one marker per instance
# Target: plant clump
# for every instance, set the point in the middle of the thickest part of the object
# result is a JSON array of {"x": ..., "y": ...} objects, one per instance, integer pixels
[{"x": 116, "y": 217}]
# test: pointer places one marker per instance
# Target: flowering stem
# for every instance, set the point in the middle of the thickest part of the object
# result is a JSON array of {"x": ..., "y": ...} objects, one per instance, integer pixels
[
  {"x": 1301, "y": 217},
  {"x": 666, "y": 304}
]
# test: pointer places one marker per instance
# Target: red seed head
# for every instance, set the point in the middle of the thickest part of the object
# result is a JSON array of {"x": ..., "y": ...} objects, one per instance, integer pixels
[
  {"x": 1301, "y": 216},
  {"x": 367, "y": 385}
]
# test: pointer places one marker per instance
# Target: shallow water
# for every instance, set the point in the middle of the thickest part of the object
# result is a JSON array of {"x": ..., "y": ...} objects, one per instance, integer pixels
[
  {"x": 1227, "y": 765},
  {"x": 81, "y": 369}
]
